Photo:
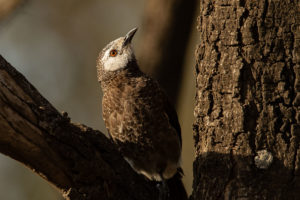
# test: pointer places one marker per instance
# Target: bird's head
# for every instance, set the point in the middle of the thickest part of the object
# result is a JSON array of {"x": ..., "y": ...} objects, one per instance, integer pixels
[{"x": 116, "y": 55}]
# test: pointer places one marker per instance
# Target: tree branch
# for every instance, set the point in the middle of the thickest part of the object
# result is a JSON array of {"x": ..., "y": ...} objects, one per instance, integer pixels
[{"x": 79, "y": 161}]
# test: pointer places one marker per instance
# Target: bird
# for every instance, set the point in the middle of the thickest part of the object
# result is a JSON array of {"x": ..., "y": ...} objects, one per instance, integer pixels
[{"x": 138, "y": 114}]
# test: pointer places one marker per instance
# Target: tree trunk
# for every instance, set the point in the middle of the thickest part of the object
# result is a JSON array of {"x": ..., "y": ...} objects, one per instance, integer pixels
[
  {"x": 248, "y": 98},
  {"x": 166, "y": 29},
  {"x": 9, "y": 7}
]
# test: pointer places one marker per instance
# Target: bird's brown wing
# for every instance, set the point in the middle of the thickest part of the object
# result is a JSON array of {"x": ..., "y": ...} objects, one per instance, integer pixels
[
  {"x": 173, "y": 119},
  {"x": 112, "y": 113},
  {"x": 168, "y": 108}
]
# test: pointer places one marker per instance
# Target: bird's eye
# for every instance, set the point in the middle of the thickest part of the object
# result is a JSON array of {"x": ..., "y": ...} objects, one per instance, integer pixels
[{"x": 113, "y": 53}]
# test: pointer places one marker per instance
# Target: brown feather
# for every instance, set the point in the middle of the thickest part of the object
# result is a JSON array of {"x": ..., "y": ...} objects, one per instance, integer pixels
[{"x": 141, "y": 121}]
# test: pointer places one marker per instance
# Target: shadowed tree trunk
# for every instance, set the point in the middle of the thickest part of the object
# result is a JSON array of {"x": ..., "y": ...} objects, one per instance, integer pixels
[
  {"x": 7, "y": 7},
  {"x": 166, "y": 29},
  {"x": 248, "y": 96}
]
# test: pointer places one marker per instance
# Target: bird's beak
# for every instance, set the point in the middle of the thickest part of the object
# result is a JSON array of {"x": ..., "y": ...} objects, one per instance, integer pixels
[{"x": 129, "y": 36}]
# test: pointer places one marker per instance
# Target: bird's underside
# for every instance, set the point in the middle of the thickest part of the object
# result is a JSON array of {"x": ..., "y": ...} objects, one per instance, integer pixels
[{"x": 141, "y": 121}]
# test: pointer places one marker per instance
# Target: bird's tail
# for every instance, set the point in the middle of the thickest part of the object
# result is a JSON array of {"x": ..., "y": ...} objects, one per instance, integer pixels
[{"x": 176, "y": 187}]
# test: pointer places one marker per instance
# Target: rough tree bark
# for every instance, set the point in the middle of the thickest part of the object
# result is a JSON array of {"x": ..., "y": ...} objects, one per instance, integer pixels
[
  {"x": 79, "y": 161},
  {"x": 247, "y": 126}
]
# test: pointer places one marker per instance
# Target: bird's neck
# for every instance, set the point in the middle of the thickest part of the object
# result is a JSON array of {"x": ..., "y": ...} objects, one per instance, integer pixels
[{"x": 122, "y": 76}]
